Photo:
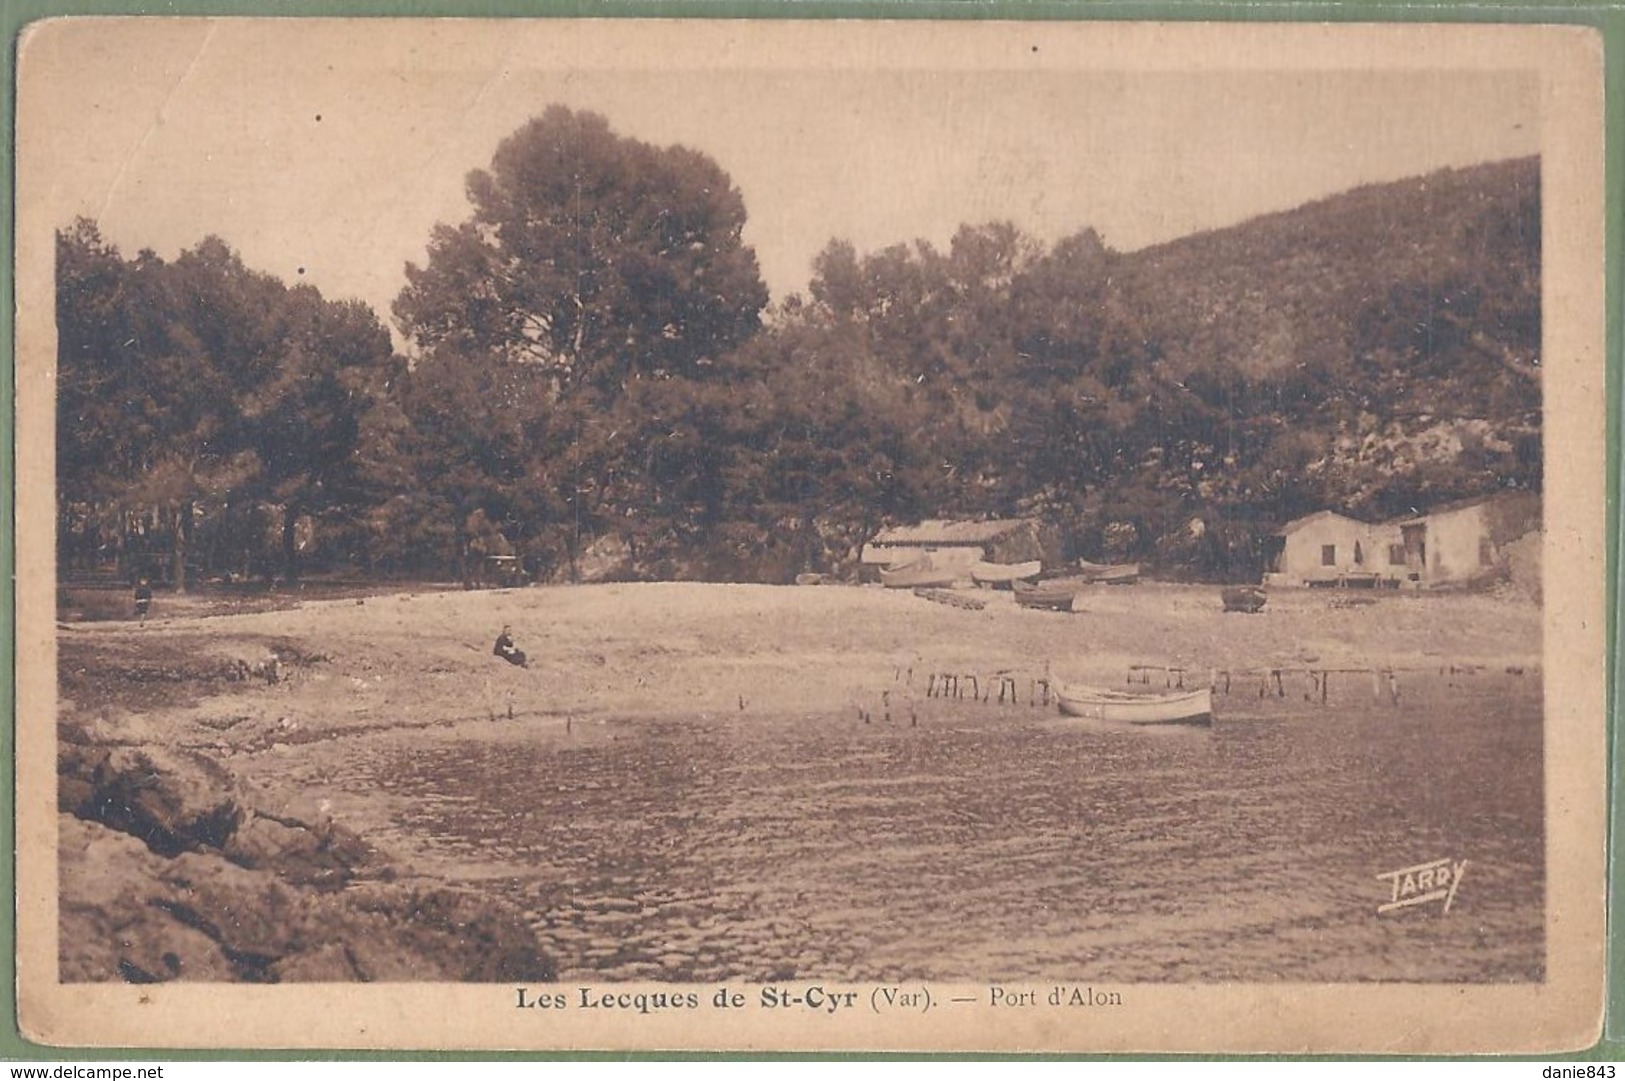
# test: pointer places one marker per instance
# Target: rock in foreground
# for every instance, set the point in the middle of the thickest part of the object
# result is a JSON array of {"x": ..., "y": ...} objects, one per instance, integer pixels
[{"x": 170, "y": 871}]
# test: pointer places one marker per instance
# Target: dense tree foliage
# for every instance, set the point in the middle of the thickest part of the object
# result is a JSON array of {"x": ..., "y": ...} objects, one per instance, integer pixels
[
  {"x": 564, "y": 334},
  {"x": 596, "y": 256},
  {"x": 200, "y": 395},
  {"x": 593, "y": 389}
]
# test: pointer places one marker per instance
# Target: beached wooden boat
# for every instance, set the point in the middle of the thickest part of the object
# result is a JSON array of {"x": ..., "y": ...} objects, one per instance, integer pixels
[
  {"x": 917, "y": 576},
  {"x": 1003, "y": 574},
  {"x": 1096, "y": 703},
  {"x": 1056, "y": 594},
  {"x": 1243, "y": 598},
  {"x": 952, "y": 599},
  {"x": 1110, "y": 573}
]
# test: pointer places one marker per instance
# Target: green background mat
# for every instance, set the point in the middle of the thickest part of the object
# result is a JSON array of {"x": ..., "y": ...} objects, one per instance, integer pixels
[{"x": 1607, "y": 16}]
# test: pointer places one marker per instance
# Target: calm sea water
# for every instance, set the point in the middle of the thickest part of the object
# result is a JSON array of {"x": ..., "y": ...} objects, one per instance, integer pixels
[{"x": 1000, "y": 843}]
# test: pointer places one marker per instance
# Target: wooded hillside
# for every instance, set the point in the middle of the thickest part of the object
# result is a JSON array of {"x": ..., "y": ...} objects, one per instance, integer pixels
[{"x": 596, "y": 386}]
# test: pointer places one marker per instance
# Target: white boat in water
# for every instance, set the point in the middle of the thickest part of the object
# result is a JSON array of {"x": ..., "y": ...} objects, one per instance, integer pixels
[{"x": 1096, "y": 703}]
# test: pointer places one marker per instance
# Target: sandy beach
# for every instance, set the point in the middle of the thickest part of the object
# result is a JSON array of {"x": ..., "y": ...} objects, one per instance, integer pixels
[{"x": 662, "y": 649}]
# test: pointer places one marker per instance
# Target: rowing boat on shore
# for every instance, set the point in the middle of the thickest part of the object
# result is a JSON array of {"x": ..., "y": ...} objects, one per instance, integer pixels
[
  {"x": 1110, "y": 573},
  {"x": 1056, "y": 594},
  {"x": 917, "y": 576},
  {"x": 1096, "y": 703},
  {"x": 1003, "y": 574},
  {"x": 1243, "y": 598}
]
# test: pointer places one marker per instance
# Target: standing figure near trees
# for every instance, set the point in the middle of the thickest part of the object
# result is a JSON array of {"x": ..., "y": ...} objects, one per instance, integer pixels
[{"x": 143, "y": 599}]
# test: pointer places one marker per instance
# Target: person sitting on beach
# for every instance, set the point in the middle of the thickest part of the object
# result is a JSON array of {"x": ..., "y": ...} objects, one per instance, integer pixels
[
  {"x": 506, "y": 649},
  {"x": 143, "y": 599}
]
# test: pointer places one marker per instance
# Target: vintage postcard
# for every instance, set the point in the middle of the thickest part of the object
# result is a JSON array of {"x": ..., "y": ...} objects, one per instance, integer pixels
[{"x": 552, "y": 534}]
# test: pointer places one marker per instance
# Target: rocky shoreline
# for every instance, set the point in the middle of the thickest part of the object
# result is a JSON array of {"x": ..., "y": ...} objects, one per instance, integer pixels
[{"x": 171, "y": 868}]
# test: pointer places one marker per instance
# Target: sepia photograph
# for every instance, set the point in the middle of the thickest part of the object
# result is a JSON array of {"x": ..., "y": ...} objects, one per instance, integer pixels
[{"x": 898, "y": 536}]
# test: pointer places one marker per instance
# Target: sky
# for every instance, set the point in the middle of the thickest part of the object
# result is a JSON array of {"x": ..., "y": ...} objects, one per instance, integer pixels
[{"x": 325, "y": 151}]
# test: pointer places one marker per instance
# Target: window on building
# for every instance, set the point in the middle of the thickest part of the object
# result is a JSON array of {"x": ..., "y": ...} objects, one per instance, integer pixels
[
  {"x": 1396, "y": 555},
  {"x": 1486, "y": 552},
  {"x": 1328, "y": 555},
  {"x": 1359, "y": 555}
]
